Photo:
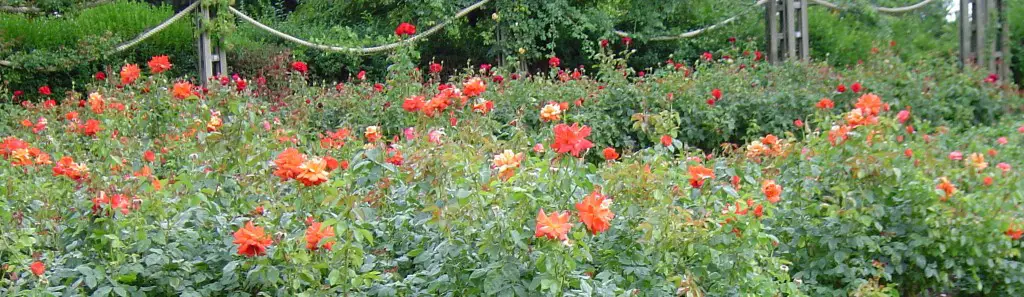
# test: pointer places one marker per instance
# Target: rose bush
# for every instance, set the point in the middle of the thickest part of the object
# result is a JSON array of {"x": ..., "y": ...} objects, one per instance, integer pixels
[{"x": 150, "y": 185}]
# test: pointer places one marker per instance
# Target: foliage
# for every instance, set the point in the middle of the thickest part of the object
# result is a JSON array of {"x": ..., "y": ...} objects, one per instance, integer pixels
[
  {"x": 57, "y": 50},
  {"x": 426, "y": 210},
  {"x": 492, "y": 35}
]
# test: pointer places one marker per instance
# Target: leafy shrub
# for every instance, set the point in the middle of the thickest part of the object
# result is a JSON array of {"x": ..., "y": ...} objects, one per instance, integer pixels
[
  {"x": 57, "y": 50},
  {"x": 176, "y": 173}
]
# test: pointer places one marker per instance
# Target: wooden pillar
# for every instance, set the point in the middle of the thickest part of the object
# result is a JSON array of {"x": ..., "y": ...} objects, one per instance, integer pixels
[
  {"x": 771, "y": 24},
  {"x": 975, "y": 19},
  {"x": 789, "y": 27},
  {"x": 972, "y": 31},
  {"x": 803, "y": 33},
  {"x": 1001, "y": 51},
  {"x": 787, "y": 31},
  {"x": 212, "y": 60},
  {"x": 980, "y": 14},
  {"x": 964, "y": 19}
]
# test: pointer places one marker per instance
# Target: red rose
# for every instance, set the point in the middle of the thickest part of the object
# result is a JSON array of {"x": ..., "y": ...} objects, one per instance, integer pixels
[
  {"x": 666, "y": 140},
  {"x": 610, "y": 154},
  {"x": 841, "y": 88},
  {"x": 300, "y": 66},
  {"x": 855, "y": 87},
  {"x": 38, "y": 268},
  {"x": 604, "y": 42},
  {"x": 627, "y": 41},
  {"x": 405, "y": 29},
  {"x": 717, "y": 93},
  {"x": 45, "y": 90},
  {"x": 435, "y": 68},
  {"x": 554, "y": 62},
  {"x": 903, "y": 116},
  {"x": 332, "y": 163},
  {"x": 100, "y": 75}
]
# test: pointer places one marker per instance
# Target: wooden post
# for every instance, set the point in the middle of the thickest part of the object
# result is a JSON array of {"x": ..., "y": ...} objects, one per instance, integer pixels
[
  {"x": 789, "y": 25},
  {"x": 771, "y": 25},
  {"x": 804, "y": 35},
  {"x": 964, "y": 18},
  {"x": 1001, "y": 53},
  {"x": 787, "y": 31},
  {"x": 973, "y": 18},
  {"x": 212, "y": 60},
  {"x": 980, "y": 15}
]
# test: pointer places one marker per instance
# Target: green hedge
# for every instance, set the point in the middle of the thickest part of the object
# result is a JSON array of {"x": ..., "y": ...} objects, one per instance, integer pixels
[
  {"x": 59, "y": 50},
  {"x": 492, "y": 35}
]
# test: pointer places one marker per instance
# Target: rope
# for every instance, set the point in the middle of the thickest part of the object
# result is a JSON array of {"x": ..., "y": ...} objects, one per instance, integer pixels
[
  {"x": 890, "y": 10},
  {"x": 698, "y": 31},
  {"x": 361, "y": 50},
  {"x": 156, "y": 29},
  {"x": 690, "y": 34},
  {"x": 21, "y": 9}
]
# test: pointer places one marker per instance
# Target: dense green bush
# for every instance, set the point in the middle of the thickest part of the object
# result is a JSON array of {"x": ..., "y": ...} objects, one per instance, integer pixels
[
  {"x": 492, "y": 35},
  {"x": 57, "y": 50},
  {"x": 633, "y": 112},
  {"x": 419, "y": 215}
]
